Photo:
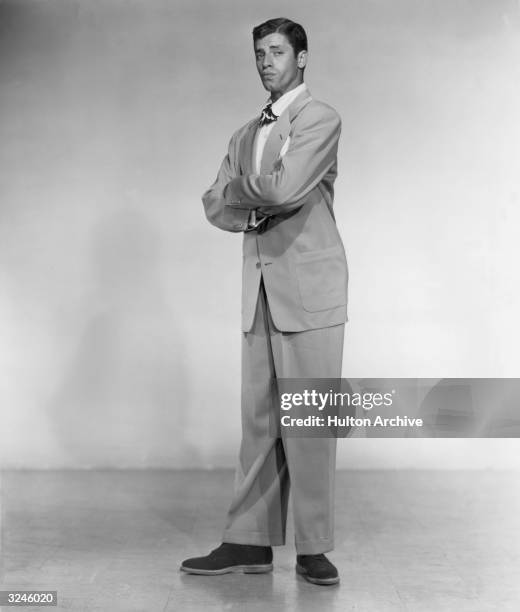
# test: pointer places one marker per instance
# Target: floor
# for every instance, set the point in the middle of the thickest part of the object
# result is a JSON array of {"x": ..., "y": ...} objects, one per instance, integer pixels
[{"x": 409, "y": 541}]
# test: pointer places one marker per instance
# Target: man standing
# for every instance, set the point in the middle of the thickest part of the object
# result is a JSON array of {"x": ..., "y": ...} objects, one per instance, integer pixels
[{"x": 276, "y": 186}]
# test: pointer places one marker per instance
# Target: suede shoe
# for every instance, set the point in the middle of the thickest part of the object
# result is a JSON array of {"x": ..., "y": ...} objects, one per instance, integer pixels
[
  {"x": 228, "y": 558},
  {"x": 317, "y": 569}
]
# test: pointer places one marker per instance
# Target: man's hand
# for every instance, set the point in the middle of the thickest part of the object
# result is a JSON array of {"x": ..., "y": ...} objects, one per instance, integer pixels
[{"x": 257, "y": 221}]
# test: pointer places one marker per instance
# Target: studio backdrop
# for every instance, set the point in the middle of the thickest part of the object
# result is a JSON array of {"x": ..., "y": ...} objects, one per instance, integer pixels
[{"x": 120, "y": 303}]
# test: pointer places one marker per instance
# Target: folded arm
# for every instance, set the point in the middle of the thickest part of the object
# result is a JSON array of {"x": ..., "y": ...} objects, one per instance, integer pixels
[
  {"x": 310, "y": 156},
  {"x": 222, "y": 216}
]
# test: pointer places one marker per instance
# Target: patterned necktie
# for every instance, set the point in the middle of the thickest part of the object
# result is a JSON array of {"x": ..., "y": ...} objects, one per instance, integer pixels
[{"x": 267, "y": 115}]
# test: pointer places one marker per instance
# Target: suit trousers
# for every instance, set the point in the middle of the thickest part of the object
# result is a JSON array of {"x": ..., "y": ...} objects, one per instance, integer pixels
[{"x": 268, "y": 465}]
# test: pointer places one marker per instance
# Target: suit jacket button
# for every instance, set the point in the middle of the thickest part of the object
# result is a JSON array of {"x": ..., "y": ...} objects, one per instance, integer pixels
[{"x": 258, "y": 264}]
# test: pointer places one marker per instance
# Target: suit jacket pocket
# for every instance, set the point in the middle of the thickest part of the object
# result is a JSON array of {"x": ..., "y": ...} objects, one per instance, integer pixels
[
  {"x": 322, "y": 278},
  {"x": 285, "y": 147}
]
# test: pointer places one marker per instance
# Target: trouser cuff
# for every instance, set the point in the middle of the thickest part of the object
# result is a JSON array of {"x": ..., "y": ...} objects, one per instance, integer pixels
[
  {"x": 314, "y": 547},
  {"x": 255, "y": 538}
]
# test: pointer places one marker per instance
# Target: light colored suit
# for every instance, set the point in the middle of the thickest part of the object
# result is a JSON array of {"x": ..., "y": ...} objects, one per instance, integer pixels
[
  {"x": 294, "y": 307},
  {"x": 300, "y": 255}
]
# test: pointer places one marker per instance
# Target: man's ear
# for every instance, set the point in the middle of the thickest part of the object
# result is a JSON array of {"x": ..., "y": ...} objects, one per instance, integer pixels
[{"x": 302, "y": 59}]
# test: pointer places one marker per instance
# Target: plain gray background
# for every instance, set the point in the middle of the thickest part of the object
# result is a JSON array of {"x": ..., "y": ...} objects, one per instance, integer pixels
[{"x": 120, "y": 304}]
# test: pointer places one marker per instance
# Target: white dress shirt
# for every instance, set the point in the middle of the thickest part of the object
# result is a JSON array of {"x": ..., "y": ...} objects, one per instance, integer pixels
[{"x": 263, "y": 132}]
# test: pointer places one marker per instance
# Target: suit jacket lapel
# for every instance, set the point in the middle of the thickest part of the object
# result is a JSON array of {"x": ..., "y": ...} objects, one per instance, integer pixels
[
  {"x": 302, "y": 100},
  {"x": 277, "y": 137},
  {"x": 247, "y": 148},
  {"x": 274, "y": 142},
  {"x": 280, "y": 131}
]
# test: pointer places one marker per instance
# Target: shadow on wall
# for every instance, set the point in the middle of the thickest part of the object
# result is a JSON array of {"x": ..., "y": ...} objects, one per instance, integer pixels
[{"x": 121, "y": 402}]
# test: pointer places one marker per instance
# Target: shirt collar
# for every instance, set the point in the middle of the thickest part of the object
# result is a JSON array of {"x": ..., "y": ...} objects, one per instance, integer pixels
[{"x": 284, "y": 101}]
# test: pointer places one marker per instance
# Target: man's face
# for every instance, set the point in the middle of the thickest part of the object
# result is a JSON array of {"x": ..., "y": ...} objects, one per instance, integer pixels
[{"x": 277, "y": 65}]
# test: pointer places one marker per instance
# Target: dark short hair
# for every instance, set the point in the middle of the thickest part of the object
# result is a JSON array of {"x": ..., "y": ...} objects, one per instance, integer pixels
[{"x": 293, "y": 31}]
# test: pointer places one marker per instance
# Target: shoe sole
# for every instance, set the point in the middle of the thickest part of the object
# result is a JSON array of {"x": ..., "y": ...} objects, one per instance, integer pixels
[
  {"x": 322, "y": 581},
  {"x": 233, "y": 569}
]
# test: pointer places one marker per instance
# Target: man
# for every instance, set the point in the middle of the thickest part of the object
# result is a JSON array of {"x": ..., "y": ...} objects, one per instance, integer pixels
[{"x": 276, "y": 186}]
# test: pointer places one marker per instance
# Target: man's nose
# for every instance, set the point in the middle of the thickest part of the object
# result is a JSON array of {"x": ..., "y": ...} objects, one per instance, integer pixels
[{"x": 267, "y": 60}]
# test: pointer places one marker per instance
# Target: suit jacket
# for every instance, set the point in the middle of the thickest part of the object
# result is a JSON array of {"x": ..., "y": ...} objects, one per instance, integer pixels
[{"x": 299, "y": 253}]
